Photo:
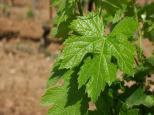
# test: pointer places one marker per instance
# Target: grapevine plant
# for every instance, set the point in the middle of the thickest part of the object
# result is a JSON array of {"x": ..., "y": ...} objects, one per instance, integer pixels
[{"x": 89, "y": 76}]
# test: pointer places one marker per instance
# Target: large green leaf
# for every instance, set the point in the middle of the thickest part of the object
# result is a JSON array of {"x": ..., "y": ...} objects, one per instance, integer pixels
[{"x": 98, "y": 70}]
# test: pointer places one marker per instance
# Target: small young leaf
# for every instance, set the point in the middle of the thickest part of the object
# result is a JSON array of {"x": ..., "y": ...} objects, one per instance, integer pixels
[
  {"x": 90, "y": 25},
  {"x": 65, "y": 15}
]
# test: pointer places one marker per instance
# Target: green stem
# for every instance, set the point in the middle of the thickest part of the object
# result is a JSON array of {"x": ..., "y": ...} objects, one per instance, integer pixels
[
  {"x": 80, "y": 7},
  {"x": 140, "y": 33},
  {"x": 98, "y": 6},
  {"x": 108, "y": 2},
  {"x": 100, "y": 11}
]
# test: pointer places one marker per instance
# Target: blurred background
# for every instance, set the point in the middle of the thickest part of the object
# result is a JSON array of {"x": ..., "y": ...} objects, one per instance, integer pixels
[
  {"x": 26, "y": 55},
  {"x": 27, "y": 52}
]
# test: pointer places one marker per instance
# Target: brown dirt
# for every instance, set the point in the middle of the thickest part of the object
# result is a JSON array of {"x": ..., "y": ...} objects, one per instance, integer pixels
[
  {"x": 31, "y": 29},
  {"x": 23, "y": 19},
  {"x": 23, "y": 75},
  {"x": 147, "y": 47},
  {"x": 23, "y": 70}
]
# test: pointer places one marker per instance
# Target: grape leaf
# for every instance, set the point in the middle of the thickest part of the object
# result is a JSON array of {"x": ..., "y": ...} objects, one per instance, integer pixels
[
  {"x": 150, "y": 60},
  {"x": 76, "y": 47},
  {"x": 113, "y": 11},
  {"x": 65, "y": 15},
  {"x": 66, "y": 10},
  {"x": 104, "y": 104},
  {"x": 130, "y": 112},
  {"x": 102, "y": 71},
  {"x": 123, "y": 51},
  {"x": 90, "y": 39},
  {"x": 118, "y": 16},
  {"x": 84, "y": 72},
  {"x": 50, "y": 95},
  {"x": 140, "y": 98},
  {"x": 90, "y": 25},
  {"x": 126, "y": 27},
  {"x": 63, "y": 95},
  {"x": 54, "y": 2}
]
